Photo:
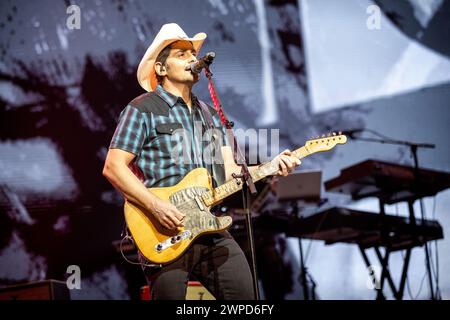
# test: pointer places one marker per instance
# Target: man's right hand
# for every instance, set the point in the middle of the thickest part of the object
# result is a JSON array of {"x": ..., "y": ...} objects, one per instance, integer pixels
[{"x": 167, "y": 214}]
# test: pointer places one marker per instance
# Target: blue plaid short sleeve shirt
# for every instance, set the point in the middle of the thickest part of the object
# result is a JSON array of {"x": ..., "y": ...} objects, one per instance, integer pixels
[{"x": 168, "y": 140}]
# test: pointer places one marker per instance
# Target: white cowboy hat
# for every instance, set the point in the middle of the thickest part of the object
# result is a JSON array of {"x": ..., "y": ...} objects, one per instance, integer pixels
[{"x": 168, "y": 34}]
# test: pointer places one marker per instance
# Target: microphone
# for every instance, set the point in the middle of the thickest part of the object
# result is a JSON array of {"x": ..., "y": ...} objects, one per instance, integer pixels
[
  {"x": 351, "y": 132},
  {"x": 196, "y": 67}
]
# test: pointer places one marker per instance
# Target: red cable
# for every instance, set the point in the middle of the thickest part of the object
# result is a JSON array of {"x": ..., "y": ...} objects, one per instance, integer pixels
[{"x": 216, "y": 102}]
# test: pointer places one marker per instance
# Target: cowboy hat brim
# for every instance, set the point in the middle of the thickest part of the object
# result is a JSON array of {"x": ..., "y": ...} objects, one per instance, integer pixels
[{"x": 146, "y": 73}]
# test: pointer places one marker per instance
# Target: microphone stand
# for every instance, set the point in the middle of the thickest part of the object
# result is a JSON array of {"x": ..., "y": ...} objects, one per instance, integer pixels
[
  {"x": 412, "y": 145},
  {"x": 303, "y": 269},
  {"x": 413, "y": 149},
  {"x": 308, "y": 293},
  {"x": 248, "y": 186}
]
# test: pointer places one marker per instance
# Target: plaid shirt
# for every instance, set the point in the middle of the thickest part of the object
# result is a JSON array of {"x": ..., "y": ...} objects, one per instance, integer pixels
[{"x": 167, "y": 138}]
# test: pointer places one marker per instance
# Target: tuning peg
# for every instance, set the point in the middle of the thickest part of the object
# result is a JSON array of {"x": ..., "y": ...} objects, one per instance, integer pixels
[
  {"x": 317, "y": 137},
  {"x": 323, "y": 136},
  {"x": 340, "y": 132},
  {"x": 329, "y": 135},
  {"x": 334, "y": 133}
]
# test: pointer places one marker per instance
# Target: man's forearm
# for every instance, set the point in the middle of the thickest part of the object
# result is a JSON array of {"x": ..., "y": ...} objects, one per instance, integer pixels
[
  {"x": 123, "y": 179},
  {"x": 230, "y": 165},
  {"x": 229, "y": 170}
]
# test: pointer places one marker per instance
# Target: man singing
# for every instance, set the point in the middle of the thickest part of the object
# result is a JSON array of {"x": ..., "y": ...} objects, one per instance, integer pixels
[{"x": 141, "y": 156}]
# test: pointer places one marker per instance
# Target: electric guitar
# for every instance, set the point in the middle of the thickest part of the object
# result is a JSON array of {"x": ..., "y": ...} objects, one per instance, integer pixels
[{"x": 194, "y": 196}]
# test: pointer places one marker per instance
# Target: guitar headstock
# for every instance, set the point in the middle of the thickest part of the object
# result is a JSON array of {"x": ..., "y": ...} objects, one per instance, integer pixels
[{"x": 325, "y": 143}]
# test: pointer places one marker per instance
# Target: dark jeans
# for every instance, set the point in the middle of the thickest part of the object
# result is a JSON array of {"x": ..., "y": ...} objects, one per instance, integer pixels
[{"x": 215, "y": 260}]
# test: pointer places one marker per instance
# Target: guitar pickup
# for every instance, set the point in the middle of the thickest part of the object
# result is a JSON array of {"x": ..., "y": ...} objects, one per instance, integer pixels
[
  {"x": 200, "y": 203},
  {"x": 172, "y": 241}
]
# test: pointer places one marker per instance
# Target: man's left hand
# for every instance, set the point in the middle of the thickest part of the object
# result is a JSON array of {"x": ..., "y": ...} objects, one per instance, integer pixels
[{"x": 287, "y": 162}]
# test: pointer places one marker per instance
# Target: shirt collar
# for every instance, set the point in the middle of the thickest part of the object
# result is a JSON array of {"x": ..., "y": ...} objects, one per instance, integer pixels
[{"x": 172, "y": 99}]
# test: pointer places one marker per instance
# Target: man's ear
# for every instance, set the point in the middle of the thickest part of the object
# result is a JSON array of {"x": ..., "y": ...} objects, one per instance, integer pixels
[{"x": 160, "y": 69}]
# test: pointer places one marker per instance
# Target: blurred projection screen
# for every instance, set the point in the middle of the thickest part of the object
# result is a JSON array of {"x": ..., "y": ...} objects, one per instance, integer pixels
[{"x": 348, "y": 63}]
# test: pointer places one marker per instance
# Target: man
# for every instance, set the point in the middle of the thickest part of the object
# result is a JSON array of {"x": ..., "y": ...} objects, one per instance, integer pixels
[{"x": 143, "y": 141}]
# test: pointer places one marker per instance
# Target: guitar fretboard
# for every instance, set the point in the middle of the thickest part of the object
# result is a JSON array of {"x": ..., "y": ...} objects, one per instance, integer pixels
[{"x": 216, "y": 195}]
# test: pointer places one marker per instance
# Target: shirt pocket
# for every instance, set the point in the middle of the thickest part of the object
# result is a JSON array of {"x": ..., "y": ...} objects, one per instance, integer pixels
[
  {"x": 167, "y": 128},
  {"x": 167, "y": 143}
]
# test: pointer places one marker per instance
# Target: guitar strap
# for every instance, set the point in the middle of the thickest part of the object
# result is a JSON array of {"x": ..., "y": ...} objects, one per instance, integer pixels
[{"x": 217, "y": 166}]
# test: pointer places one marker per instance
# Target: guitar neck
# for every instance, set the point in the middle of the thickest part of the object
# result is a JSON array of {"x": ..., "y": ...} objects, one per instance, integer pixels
[{"x": 216, "y": 195}]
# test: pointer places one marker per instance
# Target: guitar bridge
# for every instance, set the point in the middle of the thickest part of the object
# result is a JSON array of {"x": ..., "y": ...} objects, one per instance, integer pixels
[{"x": 172, "y": 241}]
